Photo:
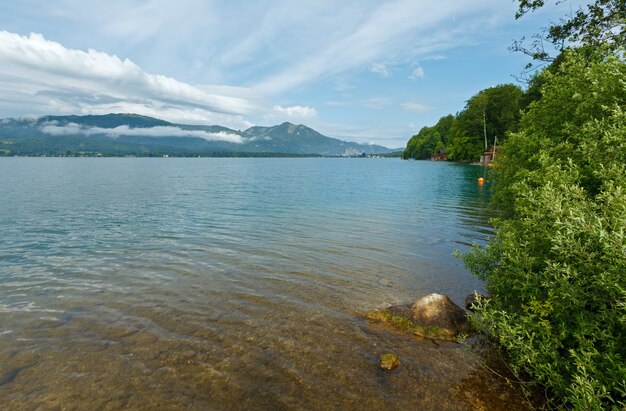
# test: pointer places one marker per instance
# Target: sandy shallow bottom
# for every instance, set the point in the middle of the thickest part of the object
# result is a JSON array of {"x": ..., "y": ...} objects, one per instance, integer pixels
[{"x": 77, "y": 361}]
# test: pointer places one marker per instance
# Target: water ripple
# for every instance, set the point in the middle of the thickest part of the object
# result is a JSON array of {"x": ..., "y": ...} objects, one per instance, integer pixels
[{"x": 247, "y": 275}]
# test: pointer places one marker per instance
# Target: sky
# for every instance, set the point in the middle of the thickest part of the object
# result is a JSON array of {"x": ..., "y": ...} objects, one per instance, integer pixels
[{"x": 369, "y": 71}]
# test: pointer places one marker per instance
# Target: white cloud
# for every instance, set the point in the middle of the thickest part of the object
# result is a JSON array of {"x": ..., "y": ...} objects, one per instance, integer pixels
[
  {"x": 380, "y": 69},
  {"x": 158, "y": 131},
  {"x": 396, "y": 30},
  {"x": 50, "y": 78},
  {"x": 297, "y": 111},
  {"x": 434, "y": 58},
  {"x": 373, "y": 103},
  {"x": 342, "y": 85},
  {"x": 417, "y": 73},
  {"x": 203, "y": 39},
  {"x": 388, "y": 136},
  {"x": 415, "y": 107},
  {"x": 376, "y": 103}
]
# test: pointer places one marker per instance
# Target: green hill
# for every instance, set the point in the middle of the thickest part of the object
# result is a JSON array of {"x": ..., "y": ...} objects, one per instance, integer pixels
[{"x": 132, "y": 134}]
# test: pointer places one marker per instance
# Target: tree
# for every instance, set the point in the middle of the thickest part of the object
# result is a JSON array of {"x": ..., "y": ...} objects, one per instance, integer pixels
[
  {"x": 496, "y": 109},
  {"x": 571, "y": 96},
  {"x": 601, "y": 23},
  {"x": 534, "y": 84},
  {"x": 556, "y": 269},
  {"x": 490, "y": 113},
  {"x": 429, "y": 140},
  {"x": 443, "y": 127}
]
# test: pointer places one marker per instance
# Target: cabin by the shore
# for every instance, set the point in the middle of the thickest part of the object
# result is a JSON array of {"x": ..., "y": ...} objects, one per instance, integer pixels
[
  {"x": 488, "y": 155},
  {"x": 441, "y": 156}
]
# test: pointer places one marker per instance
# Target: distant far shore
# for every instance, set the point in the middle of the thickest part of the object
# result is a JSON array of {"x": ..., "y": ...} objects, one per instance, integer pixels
[{"x": 198, "y": 155}]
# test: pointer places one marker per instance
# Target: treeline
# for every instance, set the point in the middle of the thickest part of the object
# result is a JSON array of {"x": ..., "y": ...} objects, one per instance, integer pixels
[
  {"x": 156, "y": 154},
  {"x": 487, "y": 117}
]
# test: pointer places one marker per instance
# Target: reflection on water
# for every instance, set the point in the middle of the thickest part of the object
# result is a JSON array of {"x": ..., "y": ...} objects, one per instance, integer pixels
[
  {"x": 473, "y": 205},
  {"x": 233, "y": 283}
]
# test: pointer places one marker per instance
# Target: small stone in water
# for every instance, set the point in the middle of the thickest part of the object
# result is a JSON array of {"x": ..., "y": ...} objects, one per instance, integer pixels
[{"x": 388, "y": 362}]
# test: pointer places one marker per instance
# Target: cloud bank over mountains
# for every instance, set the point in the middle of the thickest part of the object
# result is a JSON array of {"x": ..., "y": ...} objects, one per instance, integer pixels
[
  {"x": 55, "y": 79},
  {"x": 157, "y": 131}
]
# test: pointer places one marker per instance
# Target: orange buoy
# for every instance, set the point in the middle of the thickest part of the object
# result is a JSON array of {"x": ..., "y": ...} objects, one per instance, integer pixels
[{"x": 480, "y": 181}]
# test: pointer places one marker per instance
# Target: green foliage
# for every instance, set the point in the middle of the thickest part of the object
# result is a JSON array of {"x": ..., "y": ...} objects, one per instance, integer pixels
[
  {"x": 601, "y": 23},
  {"x": 533, "y": 89},
  {"x": 556, "y": 269},
  {"x": 422, "y": 145},
  {"x": 429, "y": 140},
  {"x": 465, "y": 148},
  {"x": 463, "y": 137},
  {"x": 497, "y": 109},
  {"x": 573, "y": 94}
]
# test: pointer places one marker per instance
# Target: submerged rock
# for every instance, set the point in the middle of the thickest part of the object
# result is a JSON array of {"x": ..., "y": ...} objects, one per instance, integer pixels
[
  {"x": 433, "y": 316},
  {"x": 388, "y": 362}
]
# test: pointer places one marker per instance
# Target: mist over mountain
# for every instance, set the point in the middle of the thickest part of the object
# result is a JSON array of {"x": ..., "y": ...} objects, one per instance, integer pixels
[{"x": 131, "y": 134}]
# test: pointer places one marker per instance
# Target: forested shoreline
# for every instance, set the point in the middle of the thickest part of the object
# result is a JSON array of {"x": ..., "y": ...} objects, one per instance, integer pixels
[{"x": 486, "y": 119}]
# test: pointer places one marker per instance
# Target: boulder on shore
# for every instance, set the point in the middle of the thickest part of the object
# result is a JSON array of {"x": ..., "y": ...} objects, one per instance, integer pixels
[{"x": 433, "y": 316}]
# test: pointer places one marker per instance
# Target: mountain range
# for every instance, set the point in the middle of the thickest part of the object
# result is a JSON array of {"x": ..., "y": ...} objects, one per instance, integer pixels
[{"x": 132, "y": 134}]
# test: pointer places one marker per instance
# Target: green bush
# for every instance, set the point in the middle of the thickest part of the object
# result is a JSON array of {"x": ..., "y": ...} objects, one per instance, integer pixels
[{"x": 556, "y": 269}]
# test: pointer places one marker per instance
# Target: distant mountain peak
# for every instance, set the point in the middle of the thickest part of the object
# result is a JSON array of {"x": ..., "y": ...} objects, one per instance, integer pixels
[{"x": 128, "y": 133}]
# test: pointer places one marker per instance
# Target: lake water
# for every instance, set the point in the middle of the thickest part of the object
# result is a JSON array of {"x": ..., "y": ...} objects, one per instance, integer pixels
[{"x": 233, "y": 283}]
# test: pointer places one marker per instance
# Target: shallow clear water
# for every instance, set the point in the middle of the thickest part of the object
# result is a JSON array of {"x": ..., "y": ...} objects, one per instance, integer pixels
[{"x": 233, "y": 283}]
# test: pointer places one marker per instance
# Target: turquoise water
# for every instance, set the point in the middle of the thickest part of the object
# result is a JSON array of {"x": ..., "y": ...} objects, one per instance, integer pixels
[{"x": 230, "y": 283}]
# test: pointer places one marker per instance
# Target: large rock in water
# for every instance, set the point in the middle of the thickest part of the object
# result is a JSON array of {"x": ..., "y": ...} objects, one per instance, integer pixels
[
  {"x": 433, "y": 316},
  {"x": 439, "y": 311}
]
